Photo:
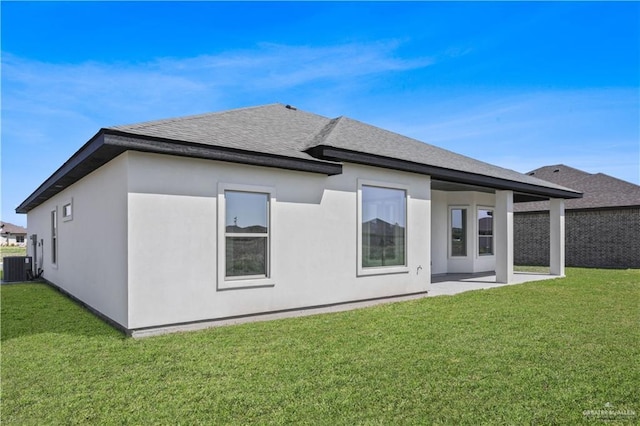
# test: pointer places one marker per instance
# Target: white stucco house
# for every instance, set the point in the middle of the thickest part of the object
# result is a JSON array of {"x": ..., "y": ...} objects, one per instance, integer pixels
[
  {"x": 268, "y": 209},
  {"x": 12, "y": 235}
]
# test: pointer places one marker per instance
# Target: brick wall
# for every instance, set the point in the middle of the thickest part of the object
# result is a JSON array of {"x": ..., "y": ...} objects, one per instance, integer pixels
[
  {"x": 531, "y": 239},
  {"x": 593, "y": 238}
]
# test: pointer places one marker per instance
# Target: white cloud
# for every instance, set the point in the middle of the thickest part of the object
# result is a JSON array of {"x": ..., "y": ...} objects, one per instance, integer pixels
[
  {"x": 273, "y": 66},
  {"x": 50, "y": 109},
  {"x": 186, "y": 85}
]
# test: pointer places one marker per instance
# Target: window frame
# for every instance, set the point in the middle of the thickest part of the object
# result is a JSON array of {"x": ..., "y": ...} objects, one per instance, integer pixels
[
  {"x": 381, "y": 270},
  {"x": 493, "y": 234},
  {"x": 450, "y": 231},
  {"x": 55, "y": 231},
  {"x": 67, "y": 217},
  {"x": 245, "y": 281}
]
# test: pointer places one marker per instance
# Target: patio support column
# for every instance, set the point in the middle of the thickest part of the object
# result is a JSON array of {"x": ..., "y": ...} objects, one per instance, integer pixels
[
  {"x": 503, "y": 221},
  {"x": 556, "y": 237}
]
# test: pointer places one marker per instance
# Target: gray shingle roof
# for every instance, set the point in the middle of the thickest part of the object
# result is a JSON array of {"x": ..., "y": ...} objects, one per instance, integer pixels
[
  {"x": 354, "y": 135},
  {"x": 272, "y": 129},
  {"x": 280, "y": 136},
  {"x": 278, "y": 130},
  {"x": 10, "y": 228},
  {"x": 600, "y": 190}
]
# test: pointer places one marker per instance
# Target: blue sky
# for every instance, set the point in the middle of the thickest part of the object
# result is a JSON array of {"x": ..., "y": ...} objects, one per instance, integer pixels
[{"x": 520, "y": 85}]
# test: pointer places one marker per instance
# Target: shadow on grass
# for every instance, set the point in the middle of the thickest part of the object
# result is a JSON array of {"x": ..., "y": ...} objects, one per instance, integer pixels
[{"x": 36, "y": 308}]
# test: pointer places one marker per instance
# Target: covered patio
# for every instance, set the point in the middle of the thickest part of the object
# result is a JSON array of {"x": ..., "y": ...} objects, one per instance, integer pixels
[{"x": 472, "y": 231}]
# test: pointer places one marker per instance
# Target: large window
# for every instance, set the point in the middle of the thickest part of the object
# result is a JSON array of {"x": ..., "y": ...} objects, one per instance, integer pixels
[
  {"x": 458, "y": 232},
  {"x": 485, "y": 232},
  {"x": 246, "y": 235},
  {"x": 54, "y": 237},
  {"x": 383, "y": 226}
]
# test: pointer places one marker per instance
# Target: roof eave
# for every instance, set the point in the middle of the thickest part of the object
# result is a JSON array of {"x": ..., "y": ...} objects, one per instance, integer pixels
[
  {"x": 89, "y": 157},
  {"x": 582, "y": 209},
  {"x": 107, "y": 144},
  {"x": 449, "y": 175},
  {"x": 142, "y": 143}
]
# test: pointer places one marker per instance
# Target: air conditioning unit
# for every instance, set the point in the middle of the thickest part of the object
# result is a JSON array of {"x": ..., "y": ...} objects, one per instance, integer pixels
[{"x": 16, "y": 268}]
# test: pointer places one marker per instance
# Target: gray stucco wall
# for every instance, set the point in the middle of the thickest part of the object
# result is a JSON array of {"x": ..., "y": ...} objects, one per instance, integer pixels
[{"x": 593, "y": 238}]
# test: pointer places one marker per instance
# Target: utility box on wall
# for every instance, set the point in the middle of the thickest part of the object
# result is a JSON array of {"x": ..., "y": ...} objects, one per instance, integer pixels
[{"x": 16, "y": 268}]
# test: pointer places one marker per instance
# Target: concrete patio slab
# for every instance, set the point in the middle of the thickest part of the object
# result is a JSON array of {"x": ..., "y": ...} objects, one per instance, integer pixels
[{"x": 450, "y": 284}]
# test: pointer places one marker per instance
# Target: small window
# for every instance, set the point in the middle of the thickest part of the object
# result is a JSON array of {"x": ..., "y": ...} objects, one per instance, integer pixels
[
  {"x": 246, "y": 235},
  {"x": 67, "y": 211},
  {"x": 485, "y": 232},
  {"x": 458, "y": 232},
  {"x": 19, "y": 238},
  {"x": 54, "y": 237},
  {"x": 383, "y": 225}
]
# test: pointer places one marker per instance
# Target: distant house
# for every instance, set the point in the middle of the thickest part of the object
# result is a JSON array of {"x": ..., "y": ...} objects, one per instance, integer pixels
[
  {"x": 12, "y": 235},
  {"x": 602, "y": 228},
  {"x": 268, "y": 209}
]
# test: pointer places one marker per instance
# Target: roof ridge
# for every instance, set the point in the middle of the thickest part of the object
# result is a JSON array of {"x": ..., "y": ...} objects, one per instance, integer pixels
[
  {"x": 618, "y": 180},
  {"x": 552, "y": 166},
  {"x": 146, "y": 124},
  {"x": 324, "y": 133},
  {"x": 538, "y": 181},
  {"x": 12, "y": 227}
]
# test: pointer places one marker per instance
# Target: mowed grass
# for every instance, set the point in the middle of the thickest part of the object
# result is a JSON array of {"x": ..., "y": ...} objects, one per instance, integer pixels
[
  {"x": 536, "y": 353},
  {"x": 12, "y": 251}
]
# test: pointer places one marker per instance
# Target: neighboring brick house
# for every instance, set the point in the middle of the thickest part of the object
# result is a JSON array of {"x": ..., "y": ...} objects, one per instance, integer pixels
[
  {"x": 12, "y": 235},
  {"x": 602, "y": 229}
]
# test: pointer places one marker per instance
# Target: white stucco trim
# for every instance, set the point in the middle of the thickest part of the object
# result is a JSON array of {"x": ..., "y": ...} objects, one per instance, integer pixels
[
  {"x": 477, "y": 231},
  {"x": 503, "y": 230},
  {"x": 224, "y": 283},
  {"x": 556, "y": 237},
  {"x": 362, "y": 271},
  {"x": 67, "y": 215},
  {"x": 54, "y": 246},
  {"x": 468, "y": 229}
]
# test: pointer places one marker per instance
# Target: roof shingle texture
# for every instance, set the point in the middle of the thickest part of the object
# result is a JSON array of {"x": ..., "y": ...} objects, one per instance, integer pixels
[
  {"x": 10, "y": 228},
  {"x": 279, "y": 130},
  {"x": 599, "y": 190},
  {"x": 357, "y": 136},
  {"x": 270, "y": 129}
]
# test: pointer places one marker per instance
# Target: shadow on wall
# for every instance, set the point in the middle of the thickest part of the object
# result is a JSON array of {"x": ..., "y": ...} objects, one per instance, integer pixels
[{"x": 36, "y": 308}]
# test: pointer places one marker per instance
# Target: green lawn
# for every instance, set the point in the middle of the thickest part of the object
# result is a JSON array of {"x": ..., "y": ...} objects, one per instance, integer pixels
[
  {"x": 532, "y": 269},
  {"x": 537, "y": 353},
  {"x": 12, "y": 251}
]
